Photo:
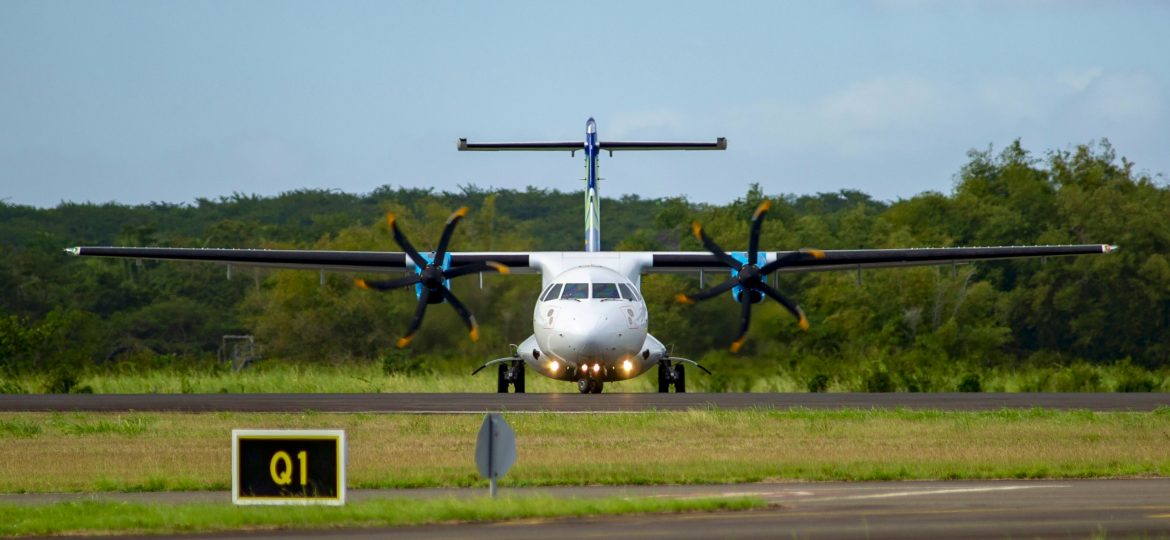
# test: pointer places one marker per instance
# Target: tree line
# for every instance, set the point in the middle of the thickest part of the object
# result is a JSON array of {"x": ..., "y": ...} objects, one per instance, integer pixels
[{"x": 61, "y": 310}]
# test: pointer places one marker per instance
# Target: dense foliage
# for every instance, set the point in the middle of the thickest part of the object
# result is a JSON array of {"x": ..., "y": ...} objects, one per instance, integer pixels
[{"x": 898, "y": 324}]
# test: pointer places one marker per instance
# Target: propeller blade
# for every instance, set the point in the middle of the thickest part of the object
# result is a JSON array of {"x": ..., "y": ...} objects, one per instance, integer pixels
[
  {"x": 787, "y": 258},
  {"x": 705, "y": 294},
  {"x": 417, "y": 320},
  {"x": 448, "y": 231},
  {"x": 745, "y": 319},
  {"x": 757, "y": 221},
  {"x": 463, "y": 312},
  {"x": 789, "y": 304},
  {"x": 714, "y": 248},
  {"x": 387, "y": 285},
  {"x": 475, "y": 268},
  {"x": 404, "y": 243}
]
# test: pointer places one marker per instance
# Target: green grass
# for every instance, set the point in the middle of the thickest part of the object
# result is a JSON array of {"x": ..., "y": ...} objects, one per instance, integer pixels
[
  {"x": 731, "y": 374},
  {"x": 174, "y": 451},
  {"x": 93, "y": 517}
]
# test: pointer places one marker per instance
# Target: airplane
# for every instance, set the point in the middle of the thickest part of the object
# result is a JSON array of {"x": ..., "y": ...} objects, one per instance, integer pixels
[{"x": 590, "y": 321}]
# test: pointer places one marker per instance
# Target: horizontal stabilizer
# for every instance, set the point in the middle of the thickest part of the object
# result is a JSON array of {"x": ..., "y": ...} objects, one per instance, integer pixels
[
  {"x": 571, "y": 146},
  {"x": 611, "y": 146}
]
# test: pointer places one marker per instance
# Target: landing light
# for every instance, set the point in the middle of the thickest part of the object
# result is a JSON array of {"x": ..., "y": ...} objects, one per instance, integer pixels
[
  {"x": 627, "y": 365},
  {"x": 596, "y": 368},
  {"x": 554, "y": 366}
]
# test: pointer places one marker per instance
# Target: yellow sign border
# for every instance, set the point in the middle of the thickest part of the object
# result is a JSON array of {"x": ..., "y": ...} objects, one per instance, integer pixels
[{"x": 337, "y": 435}]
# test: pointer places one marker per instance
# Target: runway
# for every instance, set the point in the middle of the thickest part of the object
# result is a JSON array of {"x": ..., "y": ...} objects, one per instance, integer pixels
[
  {"x": 1118, "y": 508},
  {"x": 572, "y": 403}
]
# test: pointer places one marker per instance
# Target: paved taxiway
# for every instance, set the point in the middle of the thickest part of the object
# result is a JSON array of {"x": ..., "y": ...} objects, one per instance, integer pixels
[
  {"x": 1113, "y": 508},
  {"x": 479, "y": 403}
]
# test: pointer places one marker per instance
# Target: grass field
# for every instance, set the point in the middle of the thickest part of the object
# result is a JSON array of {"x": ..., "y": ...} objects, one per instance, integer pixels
[
  {"x": 42, "y": 452},
  {"x": 446, "y": 375},
  {"x": 75, "y": 518}
]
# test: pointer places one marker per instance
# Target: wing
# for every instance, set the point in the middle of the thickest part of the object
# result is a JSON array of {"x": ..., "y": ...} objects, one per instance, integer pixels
[
  {"x": 571, "y": 146},
  {"x": 339, "y": 261},
  {"x": 855, "y": 259}
]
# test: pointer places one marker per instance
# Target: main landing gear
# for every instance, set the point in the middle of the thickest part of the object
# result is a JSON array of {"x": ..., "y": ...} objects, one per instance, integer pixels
[
  {"x": 590, "y": 386},
  {"x": 671, "y": 375},
  {"x": 510, "y": 375}
]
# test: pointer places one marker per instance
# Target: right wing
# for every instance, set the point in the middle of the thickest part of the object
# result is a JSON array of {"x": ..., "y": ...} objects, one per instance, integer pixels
[{"x": 339, "y": 261}]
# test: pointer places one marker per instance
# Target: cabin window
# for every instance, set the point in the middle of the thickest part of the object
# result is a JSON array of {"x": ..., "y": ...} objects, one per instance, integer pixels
[
  {"x": 605, "y": 290},
  {"x": 576, "y": 291},
  {"x": 553, "y": 292},
  {"x": 628, "y": 292}
]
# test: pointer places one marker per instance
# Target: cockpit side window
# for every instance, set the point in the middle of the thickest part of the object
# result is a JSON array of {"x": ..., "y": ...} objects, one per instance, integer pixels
[
  {"x": 628, "y": 292},
  {"x": 605, "y": 290},
  {"x": 576, "y": 291},
  {"x": 553, "y": 292}
]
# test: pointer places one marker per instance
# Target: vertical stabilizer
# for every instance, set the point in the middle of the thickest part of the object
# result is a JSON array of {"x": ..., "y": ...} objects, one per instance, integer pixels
[{"x": 592, "y": 199}]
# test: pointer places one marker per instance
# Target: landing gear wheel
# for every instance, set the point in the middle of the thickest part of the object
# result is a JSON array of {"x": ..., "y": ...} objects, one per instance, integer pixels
[
  {"x": 597, "y": 386},
  {"x": 585, "y": 386},
  {"x": 502, "y": 379},
  {"x": 513, "y": 376},
  {"x": 680, "y": 379},
  {"x": 664, "y": 374}
]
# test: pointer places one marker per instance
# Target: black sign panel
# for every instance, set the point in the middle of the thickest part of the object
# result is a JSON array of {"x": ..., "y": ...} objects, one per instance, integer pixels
[{"x": 287, "y": 466}]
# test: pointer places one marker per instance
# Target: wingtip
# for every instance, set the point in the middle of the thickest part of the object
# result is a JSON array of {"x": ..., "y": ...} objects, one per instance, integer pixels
[
  {"x": 816, "y": 253},
  {"x": 73, "y": 250},
  {"x": 683, "y": 299},
  {"x": 1109, "y": 248}
]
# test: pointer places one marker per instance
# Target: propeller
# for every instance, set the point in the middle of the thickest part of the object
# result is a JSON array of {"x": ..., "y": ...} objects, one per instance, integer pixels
[
  {"x": 747, "y": 275},
  {"x": 433, "y": 277}
]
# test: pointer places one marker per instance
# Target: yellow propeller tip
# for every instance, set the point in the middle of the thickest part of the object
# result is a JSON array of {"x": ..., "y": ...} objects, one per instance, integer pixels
[
  {"x": 461, "y": 212},
  {"x": 404, "y": 341},
  {"x": 683, "y": 299},
  {"x": 763, "y": 207},
  {"x": 474, "y": 333},
  {"x": 697, "y": 230},
  {"x": 501, "y": 268},
  {"x": 738, "y": 344},
  {"x": 361, "y": 284},
  {"x": 390, "y": 218},
  {"x": 803, "y": 323}
]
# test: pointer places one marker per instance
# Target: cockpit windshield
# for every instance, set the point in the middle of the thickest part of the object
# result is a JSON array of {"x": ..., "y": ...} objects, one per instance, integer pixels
[
  {"x": 605, "y": 290},
  {"x": 575, "y": 291}
]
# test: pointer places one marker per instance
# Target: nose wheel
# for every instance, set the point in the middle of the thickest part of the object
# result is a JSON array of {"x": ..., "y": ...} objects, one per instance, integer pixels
[
  {"x": 510, "y": 375},
  {"x": 671, "y": 375},
  {"x": 589, "y": 386}
]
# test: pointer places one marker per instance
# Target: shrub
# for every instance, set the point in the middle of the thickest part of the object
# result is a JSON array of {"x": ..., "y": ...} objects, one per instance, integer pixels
[
  {"x": 878, "y": 381},
  {"x": 818, "y": 383},
  {"x": 970, "y": 383}
]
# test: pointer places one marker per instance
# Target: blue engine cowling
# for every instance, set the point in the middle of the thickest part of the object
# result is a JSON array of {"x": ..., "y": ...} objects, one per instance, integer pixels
[
  {"x": 737, "y": 291},
  {"x": 446, "y": 265}
]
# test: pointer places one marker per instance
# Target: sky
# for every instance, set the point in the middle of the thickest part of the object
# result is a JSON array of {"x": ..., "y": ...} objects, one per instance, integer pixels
[{"x": 138, "y": 102}]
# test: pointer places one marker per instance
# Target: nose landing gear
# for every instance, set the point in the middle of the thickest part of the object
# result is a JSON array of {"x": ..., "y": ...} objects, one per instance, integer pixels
[{"x": 589, "y": 386}]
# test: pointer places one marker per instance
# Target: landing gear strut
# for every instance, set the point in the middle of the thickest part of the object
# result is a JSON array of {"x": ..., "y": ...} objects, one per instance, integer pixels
[
  {"x": 510, "y": 375},
  {"x": 589, "y": 386},
  {"x": 671, "y": 375}
]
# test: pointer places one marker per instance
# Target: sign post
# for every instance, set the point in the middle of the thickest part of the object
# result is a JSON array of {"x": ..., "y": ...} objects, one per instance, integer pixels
[
  {"x": 288, "y": 466},
  {"x": 495, "y": 449}
]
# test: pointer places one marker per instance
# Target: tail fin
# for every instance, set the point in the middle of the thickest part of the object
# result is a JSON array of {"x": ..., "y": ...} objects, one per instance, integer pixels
[{"x": 592, "y": 149}]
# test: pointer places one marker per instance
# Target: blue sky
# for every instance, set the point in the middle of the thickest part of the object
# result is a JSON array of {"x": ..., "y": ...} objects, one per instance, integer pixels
[{"x": 169, "y": 101}]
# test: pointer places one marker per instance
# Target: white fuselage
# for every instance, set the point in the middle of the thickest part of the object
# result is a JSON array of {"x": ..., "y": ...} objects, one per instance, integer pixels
[{"x": 590, "y": 321}]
